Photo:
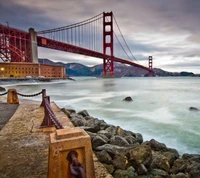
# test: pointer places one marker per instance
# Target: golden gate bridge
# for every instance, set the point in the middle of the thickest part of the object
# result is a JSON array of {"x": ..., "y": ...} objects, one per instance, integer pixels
[{"x": 84, "y": 38}]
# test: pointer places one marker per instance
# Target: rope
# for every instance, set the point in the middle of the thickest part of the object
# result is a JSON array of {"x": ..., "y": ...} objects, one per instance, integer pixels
[
  {"x": 3, "y": 93},
  {"x": 52, "y": 115},
  {"x": 29, "y": 95}
]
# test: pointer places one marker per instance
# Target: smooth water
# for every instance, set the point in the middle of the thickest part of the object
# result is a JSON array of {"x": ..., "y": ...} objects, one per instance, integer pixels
[{"x": 159, "y": 110}]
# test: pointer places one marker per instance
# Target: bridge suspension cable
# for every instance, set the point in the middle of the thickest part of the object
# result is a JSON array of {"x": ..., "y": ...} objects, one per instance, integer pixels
[
  {"x": 86, "y": 34},
  {"x": 124, "y": 42}
]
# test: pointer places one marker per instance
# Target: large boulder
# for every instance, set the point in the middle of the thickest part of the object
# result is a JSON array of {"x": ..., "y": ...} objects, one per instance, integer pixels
[
  {"x": 141, "y": 154},
  {"x": 119, "y": 161},
  {"x": 157, "y": 146},
  {"x": 98, "y": 141},
  {"x": 160, "y": 162},
  {"x": 128, "y": 98},
  {"x": 104, "y": 157},
  {"x": 118, "y": 140},
  {"x": 114, "y": 149},
  {"x": 193, "y": 109},
  {"x": 77, "y": 120},
  {"x": 84, "y": 113}
]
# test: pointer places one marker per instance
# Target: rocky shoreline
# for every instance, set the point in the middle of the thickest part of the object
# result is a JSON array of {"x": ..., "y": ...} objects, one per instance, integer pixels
[{"x": 126, "y": 155}]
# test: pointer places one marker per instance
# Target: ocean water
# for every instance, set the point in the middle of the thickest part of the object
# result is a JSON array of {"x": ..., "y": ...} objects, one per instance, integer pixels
[{"x": 159, "y": 110}]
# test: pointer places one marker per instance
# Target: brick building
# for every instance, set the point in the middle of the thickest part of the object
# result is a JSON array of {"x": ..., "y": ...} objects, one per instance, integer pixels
[{"x": 16, "y": 69}]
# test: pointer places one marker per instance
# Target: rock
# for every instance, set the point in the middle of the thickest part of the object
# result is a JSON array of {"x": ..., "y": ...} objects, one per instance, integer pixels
[
  {"x": 105, "y": 132},
  {"x": 104, "y": 157},
  {"x": 77, "y": 120},
  {"x": 91, "y": 134},
  {"x": 2, "y": 89},
  {"x": 140, "y": 155},
  {"x": 128, "y": 98},
  {"x": 178, "y": 166},
  {"x": 114, "y": 149},
  {"x": 118, "y": 140},
  {"x": 180, "y": 175},
  {"x": 171, "y": 155},
  {"x": 94, "y": 124},
  {"x": 139, "y": 138},
  {"x": 157, "y": 146},
  {"x": 98, "y": 141},
  {"x": 110, "y": 168},
  {"x": 131, "y": 139},
  {"x": 159, "y": 173},
  {"x": 142, "y": 170},
  {"x": 104, "y": 137},
  {"x": 193, "y": 109},
  {"x": 160, "y": 162},
  {"x": 83, "y": 113},
  {"x": 119, "y": 161},
  {"x": 68, "y": 112},
  {"x": 124, "y": 174}
]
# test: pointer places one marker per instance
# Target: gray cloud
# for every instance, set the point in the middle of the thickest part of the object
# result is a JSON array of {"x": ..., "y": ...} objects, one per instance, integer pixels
[{"x": 166, "y": 18}]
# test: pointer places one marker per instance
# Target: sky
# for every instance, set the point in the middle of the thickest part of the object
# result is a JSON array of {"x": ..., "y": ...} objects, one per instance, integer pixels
[{"x": 168, "y": 30}]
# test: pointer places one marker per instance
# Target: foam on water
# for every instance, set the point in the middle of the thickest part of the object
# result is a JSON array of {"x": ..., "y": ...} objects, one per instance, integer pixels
[{"x": 159, "y": 110}]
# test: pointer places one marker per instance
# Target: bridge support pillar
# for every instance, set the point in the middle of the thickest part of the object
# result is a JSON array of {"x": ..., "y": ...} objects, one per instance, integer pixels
[
  {"x": 150, "y": 74},
  {"x": 34, "y": 51},
  {"x": 108, "y": 64}
]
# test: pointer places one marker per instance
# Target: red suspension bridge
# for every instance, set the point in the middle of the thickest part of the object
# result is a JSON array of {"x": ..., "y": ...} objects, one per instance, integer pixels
[{"x": 85, "y": 38}]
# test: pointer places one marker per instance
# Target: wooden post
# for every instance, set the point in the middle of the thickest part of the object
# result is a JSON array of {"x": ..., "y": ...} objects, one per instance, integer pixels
[{"x": 12, "y": 97}]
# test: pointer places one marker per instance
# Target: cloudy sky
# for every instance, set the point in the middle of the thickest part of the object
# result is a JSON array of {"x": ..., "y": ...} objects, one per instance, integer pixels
[{"x": 169, "y": 30}]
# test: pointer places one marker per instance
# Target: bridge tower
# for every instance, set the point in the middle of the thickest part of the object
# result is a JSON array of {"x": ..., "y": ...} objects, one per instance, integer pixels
[
  {"x": 108, "y": 69},
  {"x": 150, "y": 74}
]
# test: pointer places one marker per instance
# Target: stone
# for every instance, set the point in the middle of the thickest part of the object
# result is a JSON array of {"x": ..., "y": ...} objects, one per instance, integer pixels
[
  {"x": 159, "y": 173},
  {"x": 139, "y": 138},
  {"x": 104, "y": 157},
  {"x": 119, "y": 161},
  {"x": 140, "y": 155},
  {"x": 97, "y": 141},
  {"x": 114, "y": 149},
  {"x": 131, "y": 139},
  {"x": 171, "y": 155},
  {"x": 193, "y": 109},
  {"x": 180, "y": 175},
  {"x": 142, "y": 170},
  {"x": 157, "y": 146},
  {"x": 128, "y": 98},
  {"x": 124, "y": 174},
  {"x": 118, "y": 140},
  {"x": 83, "y": 113},
  {"x": 110, "y": 168},
  {"x": 178, "y": 166},
  {"x": 94, "y": 124},
  {"x": 160, "y": 162},
  {"x": 77, "y": 120},
  {"x": 105, "y": 132}
]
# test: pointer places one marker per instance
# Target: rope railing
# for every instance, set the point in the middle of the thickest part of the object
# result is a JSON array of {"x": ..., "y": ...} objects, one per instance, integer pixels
[
  {"x": 23, "y": 95},
  {"x": 3, "y": 93},
  {"x": 49, "y": 116}
]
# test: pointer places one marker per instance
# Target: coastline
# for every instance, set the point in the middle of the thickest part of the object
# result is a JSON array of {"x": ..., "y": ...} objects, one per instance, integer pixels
[{"x": 124, "y": 153}]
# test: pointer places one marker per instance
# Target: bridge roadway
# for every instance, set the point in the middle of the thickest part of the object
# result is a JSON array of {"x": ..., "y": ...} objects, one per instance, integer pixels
[
  {"x": 24, "y": 147},
  {"x": 53, "y": 44}
]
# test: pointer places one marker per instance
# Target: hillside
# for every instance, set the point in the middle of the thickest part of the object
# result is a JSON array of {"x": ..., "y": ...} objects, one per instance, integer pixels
[{"x": 77, "y": 69}]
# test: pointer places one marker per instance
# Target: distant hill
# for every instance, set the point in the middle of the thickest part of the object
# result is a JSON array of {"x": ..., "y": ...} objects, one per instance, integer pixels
[{"x": 77, "y": 69}]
